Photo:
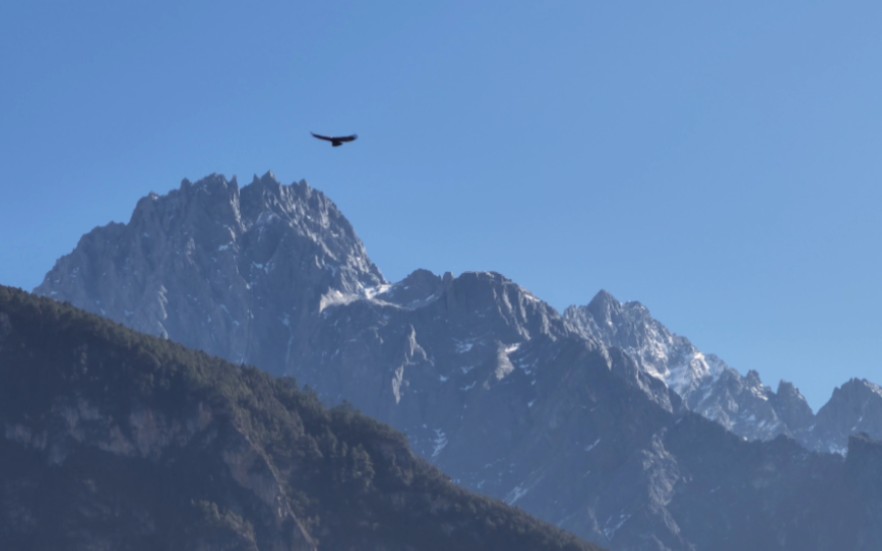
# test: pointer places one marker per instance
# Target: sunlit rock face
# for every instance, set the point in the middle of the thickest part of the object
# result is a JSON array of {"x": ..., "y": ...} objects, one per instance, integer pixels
[
  {"x": 854, "y": 408},
  {"x": 741, "y": 403},
  {"x": 235, "y": 272}
]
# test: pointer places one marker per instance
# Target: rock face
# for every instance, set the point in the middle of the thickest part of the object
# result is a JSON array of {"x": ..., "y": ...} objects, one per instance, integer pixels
[
  {"x": 113, "y": 440},
  {"x": 234, "y": 272},
  {"x": 855, "y": 408},
  {"x": 706, "y": 384},
  {"x": 793, "y": 410},
  {"x": 742, "y": 404},
  {"x": 582, "y": 419}
]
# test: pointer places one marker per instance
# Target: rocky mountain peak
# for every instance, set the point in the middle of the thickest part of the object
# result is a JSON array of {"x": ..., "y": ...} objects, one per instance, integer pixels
[
  {"x": 491, "y": 297},
  {"x": 786, "y": 388},
  {"x": 855, "y": 407},
  {"x": 266, "y": 194},
  {"x": 630, "y": 327},
  {"x": 226, "y": 260},
  {"x": 857, "y": 388},
  {"x": 210, "y": 205},
  {"x": 417, "y": 288},
  {"x": 753, "y": 378},
  {"x": 627, "y": 324},
  {"x": 604, "y": 306},
  {"x": 741, "y": 403},
  {"x": 612, "y": 316},
  {"x": 792, "y": 409}
]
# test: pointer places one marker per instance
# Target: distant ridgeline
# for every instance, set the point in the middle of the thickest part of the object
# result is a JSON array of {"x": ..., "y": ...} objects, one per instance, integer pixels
[
  {"x": 595, "y": 420},
  {"x": 116, "y": 440}
]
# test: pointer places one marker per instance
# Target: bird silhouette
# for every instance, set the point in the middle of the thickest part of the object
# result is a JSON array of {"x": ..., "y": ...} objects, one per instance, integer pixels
[{"x": 336, "y": 141}]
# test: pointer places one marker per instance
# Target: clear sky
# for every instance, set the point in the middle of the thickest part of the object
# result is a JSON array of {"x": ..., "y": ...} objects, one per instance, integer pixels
[{"x": 719, "y": 162}]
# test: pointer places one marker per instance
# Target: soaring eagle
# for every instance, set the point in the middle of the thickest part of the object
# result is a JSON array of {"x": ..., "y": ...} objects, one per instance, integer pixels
[{"x": 336, "y": 141}]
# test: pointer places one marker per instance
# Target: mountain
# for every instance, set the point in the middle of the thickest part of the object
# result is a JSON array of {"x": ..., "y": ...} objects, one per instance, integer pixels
[
  {"x": 116, "y": 440},
  {"x": 488, "y": 382},
  {"x": 856, "y": 407},
  {"x": 742, "y": 404},
  {"x": 232, "y": 271},
  {"x": 706, "y": 384}
]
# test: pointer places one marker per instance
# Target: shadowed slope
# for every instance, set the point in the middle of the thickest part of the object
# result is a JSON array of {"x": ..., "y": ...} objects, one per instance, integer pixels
[{"x": 118, "y": 440}]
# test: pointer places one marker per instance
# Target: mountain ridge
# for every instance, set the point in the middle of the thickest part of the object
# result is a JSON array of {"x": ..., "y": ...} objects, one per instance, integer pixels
[
  {"x": 504, "y": 393},
  {"x": 741, "y": 403}
]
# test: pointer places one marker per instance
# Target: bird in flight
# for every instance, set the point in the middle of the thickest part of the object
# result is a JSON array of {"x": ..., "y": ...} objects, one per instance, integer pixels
[{"x": 336, "y": 141}]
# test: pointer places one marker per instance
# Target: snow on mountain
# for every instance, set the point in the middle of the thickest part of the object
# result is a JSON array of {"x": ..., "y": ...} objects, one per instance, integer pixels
[
  {"x": 661, "y": 354},
  {"x": 706, "y": 384}
]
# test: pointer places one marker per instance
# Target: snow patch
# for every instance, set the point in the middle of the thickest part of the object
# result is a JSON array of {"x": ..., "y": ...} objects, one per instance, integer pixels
[
  {"x": 440, "y": 442},
  {"x": 260, "y": 266},
  {"x": 517, "y": 493},
  {"x": 612, "y": 525},
  {"x": 335, "y": 297},
  {"x": 463, "y": 345},
  {"x": 372, "y": 292},
  {"x": 758, "y": 391},
  {"x": 397, "y": 381},
  {"x": 833, "y": 448},
  {"x": 503, "y": 363},
  {"x": 163, "y": 302},
  {"x": 874, "y": 388}
]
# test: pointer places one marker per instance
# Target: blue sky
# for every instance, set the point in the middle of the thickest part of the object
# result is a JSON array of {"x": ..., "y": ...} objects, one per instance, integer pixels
[{"x": 719, "y": 162}]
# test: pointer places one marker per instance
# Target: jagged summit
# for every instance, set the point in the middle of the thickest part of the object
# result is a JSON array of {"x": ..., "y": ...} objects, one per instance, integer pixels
[
  {"x": 741, "y": 403},
  {"x": 856, "y": 406},
  {"x": 630, "y": 326},
  {"x": 706, "y": 384},
  {"x": 792, "y": 408},
  {"x": 605, "y": 302},
  {"x": 222, "y": 258}
]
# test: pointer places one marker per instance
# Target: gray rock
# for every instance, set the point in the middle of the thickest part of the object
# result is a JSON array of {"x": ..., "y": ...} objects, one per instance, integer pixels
[
  {"x": 740, "y": 403},
  {"x": 238, "y": 273},
  {"x": 855, "y": 408}
]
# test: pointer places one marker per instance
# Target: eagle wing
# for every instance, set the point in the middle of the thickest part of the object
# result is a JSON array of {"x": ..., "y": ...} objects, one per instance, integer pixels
[{"x": 335, "y": 138}]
